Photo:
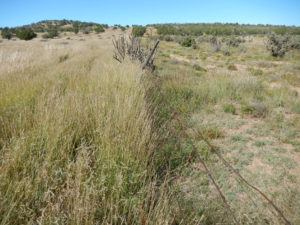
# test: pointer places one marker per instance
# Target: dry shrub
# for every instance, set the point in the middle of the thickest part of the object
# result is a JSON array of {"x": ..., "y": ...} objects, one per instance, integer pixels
[{"x": 278, "y": 45}]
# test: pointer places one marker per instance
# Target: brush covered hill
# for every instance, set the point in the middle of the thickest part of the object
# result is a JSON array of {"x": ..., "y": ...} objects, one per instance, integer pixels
[
  {"x": 223, "y": 29},
  {"x": 51, "y": 29},
  {"x": 63, "y": 25}
]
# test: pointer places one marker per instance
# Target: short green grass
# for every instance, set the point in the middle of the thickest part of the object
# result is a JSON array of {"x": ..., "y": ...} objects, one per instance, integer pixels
[{"x": 250, "y": 119}]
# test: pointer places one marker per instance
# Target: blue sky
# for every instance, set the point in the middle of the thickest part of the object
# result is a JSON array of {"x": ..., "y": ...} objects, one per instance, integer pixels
[{"x": 20, "y": 12}]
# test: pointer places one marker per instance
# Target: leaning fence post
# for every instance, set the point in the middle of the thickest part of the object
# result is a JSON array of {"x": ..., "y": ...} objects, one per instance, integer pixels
[{"x": 143, "y": 66}]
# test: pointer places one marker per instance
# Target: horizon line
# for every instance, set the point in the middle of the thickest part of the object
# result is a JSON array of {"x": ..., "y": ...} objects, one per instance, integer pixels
[{"x": 160, "y": 23}]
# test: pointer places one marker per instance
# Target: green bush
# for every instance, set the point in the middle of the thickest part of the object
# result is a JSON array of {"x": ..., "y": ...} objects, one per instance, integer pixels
[
  {"x": 51, "y": 33},
  {"x": 76, "y": 30},
  {"x": 138, "y": 31},
  {"x": 188, "y": 42},
  {"x": 25, "y": 34},
  {"x": 99, "y": 29},
  {"x": 233, "y": 41},
  {"x": 6, "y": 33},
  {"x": 278, "y": 45},
  {"x": 76, "y": 27}
]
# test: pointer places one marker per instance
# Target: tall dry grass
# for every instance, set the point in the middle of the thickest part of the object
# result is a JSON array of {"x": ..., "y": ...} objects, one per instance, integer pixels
[{"x": 75, "y": 138}]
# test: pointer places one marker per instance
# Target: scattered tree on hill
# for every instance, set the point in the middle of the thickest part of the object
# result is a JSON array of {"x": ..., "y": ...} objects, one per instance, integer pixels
[
  {"x": 99, "y": 29},
  {"x": 6, "y": 33},
  {"x": 76, "y": 30},
  {"x": 25, "y": 34},
  {"x": 76, "y": 27},
  {"x": 51, "y": 33},
  {"x": 86, "y": 30},
  {"x": 138, "y": 31}
]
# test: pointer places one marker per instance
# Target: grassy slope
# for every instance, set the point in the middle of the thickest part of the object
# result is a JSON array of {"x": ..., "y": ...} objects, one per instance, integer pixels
[{"x": 248, "y": 104}]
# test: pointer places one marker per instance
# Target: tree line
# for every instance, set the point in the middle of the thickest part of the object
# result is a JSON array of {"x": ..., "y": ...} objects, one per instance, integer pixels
[{"x": 197, "y": 29}]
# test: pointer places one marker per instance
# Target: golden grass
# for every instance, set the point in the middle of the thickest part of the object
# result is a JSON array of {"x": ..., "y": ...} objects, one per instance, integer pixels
[{"x": 75, "y": 137}]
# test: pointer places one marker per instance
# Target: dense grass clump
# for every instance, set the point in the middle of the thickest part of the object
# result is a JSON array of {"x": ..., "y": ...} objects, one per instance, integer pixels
[
  {"x": 77, "y": 142},
  {"x": 229, "y": 108}
]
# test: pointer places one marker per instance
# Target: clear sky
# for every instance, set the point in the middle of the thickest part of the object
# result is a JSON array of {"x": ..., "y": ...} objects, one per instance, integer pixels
[{"x": 281, "y": 12}]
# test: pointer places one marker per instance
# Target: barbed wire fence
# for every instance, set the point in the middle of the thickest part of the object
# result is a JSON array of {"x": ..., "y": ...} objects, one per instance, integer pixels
[{"x": 132, "y": 48}]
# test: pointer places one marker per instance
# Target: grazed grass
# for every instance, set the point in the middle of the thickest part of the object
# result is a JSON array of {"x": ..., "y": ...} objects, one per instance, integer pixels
[
  {"x": 277, "y": 160},
  {"x": 258, "y": 120}
]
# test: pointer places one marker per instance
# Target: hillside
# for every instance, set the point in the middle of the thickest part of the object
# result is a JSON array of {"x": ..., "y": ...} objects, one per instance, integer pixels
[{"x": 61, "y": 25}]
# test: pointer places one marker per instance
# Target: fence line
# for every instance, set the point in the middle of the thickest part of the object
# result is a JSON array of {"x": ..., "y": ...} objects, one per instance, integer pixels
[{"x": 213, "y": 148}]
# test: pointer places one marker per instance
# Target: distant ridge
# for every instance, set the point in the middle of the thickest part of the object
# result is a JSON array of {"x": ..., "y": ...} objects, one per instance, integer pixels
[
  {"x": 222, "y": 29},
  {"x": 61, "y": 25}
]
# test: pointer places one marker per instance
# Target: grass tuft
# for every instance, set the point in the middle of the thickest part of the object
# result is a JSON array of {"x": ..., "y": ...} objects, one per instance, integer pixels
[
  {"x": 229, "y": 108},
  {"x": 232, "y": 67},
  {"x": 63, "y": 58}
]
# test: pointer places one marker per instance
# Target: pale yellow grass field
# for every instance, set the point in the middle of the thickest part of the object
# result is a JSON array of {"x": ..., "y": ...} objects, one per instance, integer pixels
[{"x": 75, "y": 136}]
